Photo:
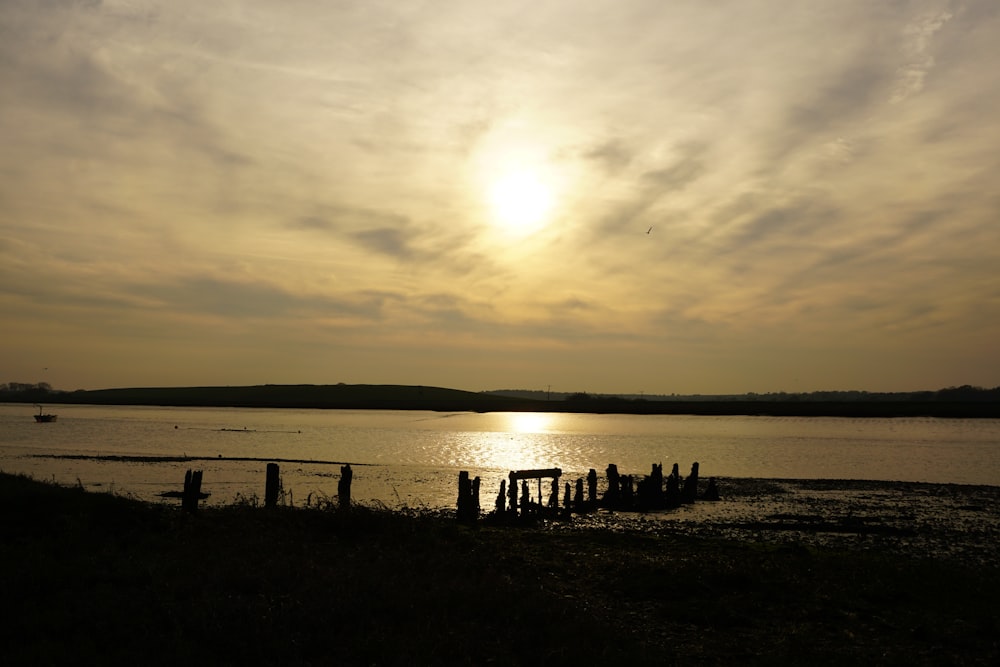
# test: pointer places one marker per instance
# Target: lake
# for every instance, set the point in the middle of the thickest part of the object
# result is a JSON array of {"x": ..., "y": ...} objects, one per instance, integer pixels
[{"x": 412, "y": 458}]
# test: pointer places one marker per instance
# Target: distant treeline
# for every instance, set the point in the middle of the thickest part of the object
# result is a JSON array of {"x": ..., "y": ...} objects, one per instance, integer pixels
[
  {"x": 965, "y": 402},
  {"x": 338, "y": 396},
  {"x": 965, "y": 393}
]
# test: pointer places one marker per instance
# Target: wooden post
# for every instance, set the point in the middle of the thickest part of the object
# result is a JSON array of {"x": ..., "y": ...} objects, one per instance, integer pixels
[
  {"x": 464, "y": 497},
  {"x": 611, "y": 496},
  {"x": 690, "y": 490},
  {"x": 673, "y": 498},
  {"x": 273, "y": 485},
  {"x": 475, "y": 497},
  {"x": 344, "y": 486},
  {"x": 468, "y": 498},
  {"x": 501, "y": 498},
  {"x": 512, "y": 494},
  {"x": 192, "y": 491}
]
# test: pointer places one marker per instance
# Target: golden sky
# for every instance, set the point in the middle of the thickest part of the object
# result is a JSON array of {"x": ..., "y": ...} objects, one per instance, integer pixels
[{"x": 622, "y": 196}]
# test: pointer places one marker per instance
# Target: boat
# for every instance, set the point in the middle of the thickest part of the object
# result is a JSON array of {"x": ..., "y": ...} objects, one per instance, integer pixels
[{"x": 44, "y": 417}]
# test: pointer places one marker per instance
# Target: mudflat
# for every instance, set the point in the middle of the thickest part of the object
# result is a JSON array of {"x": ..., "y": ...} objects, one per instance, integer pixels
[
  {"x": 948, "y": 523},
  {"x": 777, "y": 572}
]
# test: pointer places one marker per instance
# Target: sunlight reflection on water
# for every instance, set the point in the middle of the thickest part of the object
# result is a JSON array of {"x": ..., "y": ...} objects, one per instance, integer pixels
[{"x": 413, "y": 458}]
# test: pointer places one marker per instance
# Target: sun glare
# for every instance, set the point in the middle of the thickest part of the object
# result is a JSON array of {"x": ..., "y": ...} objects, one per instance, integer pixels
[
  {"x": 520, "y": 202},
  {"x": 529, "y": 422}
]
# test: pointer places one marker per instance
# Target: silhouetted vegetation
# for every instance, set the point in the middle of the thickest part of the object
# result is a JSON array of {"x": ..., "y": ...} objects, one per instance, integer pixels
[
  {"x": 965, "y": 401},
  {"x": 94, "y": 578}
]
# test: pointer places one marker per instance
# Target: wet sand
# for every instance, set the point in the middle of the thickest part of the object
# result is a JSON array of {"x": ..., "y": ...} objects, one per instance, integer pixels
[{"x": 949, "y": 522}]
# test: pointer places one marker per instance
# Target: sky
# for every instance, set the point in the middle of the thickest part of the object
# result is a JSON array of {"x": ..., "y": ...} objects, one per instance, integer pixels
[{"x": 627, "y": 196}]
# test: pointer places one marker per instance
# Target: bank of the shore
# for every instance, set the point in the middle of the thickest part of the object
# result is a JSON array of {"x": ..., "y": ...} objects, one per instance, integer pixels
[
  {"x": 950, "y": 523},
  {"x": 94, "y": 577},
  {"x": 439, "y": 399}
]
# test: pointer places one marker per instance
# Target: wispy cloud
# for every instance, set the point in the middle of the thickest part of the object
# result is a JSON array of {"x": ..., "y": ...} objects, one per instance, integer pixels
[{"x": 815, "y": 179}]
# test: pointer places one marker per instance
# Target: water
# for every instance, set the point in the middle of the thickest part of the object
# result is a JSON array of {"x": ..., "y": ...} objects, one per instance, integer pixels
[{"x": 412, "y": 458}]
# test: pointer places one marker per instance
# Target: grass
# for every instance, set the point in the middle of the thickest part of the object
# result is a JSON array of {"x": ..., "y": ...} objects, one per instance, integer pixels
[{"x": 97, "y": 577}]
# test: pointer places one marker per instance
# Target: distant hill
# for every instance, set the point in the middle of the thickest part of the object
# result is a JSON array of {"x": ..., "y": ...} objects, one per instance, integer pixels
[
  {"x": 965, "y": 402},
  {"x": 337, "y": 396},
  {"x": 965, "y": 393}
]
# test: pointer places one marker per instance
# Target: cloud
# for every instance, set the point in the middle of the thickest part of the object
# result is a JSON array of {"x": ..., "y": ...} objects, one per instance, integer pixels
[
  {"x": 817, "y": 173},
  {"x": 386, "y": 241},
  {"x": 917, "y": 51},
  {"x": 311, "y": 222},
  {"x": 612, "y": 154}
]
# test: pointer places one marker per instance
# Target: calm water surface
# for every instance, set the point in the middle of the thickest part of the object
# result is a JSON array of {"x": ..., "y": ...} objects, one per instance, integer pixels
[{"x": 413, "y": 458}]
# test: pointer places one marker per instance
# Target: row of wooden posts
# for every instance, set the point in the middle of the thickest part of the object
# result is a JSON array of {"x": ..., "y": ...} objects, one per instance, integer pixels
[
  {"x": 192, "y": 492},
  {"x": 624, "y": 492}
]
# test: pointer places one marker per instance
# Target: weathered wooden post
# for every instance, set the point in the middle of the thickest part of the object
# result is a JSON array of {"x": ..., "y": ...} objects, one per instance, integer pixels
[
  {"x": 468, "y": 504},
  {"x": 475, "y": 497},
  {"x": 712, "y": 492},
  {"x": 673, "y": 498},
  {"x": 627, "y": 492},
  {"x": 512, "y": 494},
  {"x": 501, "y": 500},
  {"x": 649, "y": 490},
  {"x": 192, "y": 491},
  {"x": 566, "y": 503},
  {"x": 592, "y": 487},
  {"x": 656, "y": 485},
  {"x": 344, "y": 486},
  {"x": 578, "y": 498},
  {"x": 464, "y": 494},
  {"x": 612, "y": 494},
  {"x": 554, "y": 495},
  {"x": 690, "y": 490},
  {"x": 273, "y": 485}
]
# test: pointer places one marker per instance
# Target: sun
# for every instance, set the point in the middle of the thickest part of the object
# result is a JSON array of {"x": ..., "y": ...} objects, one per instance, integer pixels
[
  {"x": 520, "y": 202},
  {"x": 529, "y": 422}
]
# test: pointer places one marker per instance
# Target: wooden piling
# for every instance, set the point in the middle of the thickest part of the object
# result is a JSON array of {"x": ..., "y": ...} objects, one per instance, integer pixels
[
  {"x": 468, "y": 498},
  {"x": 476, "y": 483},
  {"x": 554, "y": 495},
  {"x": 344, "y": 486},
  {"x": 501, "y": 500},
  {"x": 690, "y": 490},
  {"x": 273, "y": 486},
  {"x": 612, "y": 495},
  {"x": 192, "y": 491}
]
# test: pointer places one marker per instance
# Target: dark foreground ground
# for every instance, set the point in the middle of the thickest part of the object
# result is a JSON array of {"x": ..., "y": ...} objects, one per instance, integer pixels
[{"x": 94, "y": 578}]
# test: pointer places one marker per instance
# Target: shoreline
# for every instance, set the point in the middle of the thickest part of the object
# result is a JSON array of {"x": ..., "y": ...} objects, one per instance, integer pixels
[
  {"x": 944, "y": 521},
  {"x": 100, "y": 577},
  {"x": 951, "y": 522}
]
